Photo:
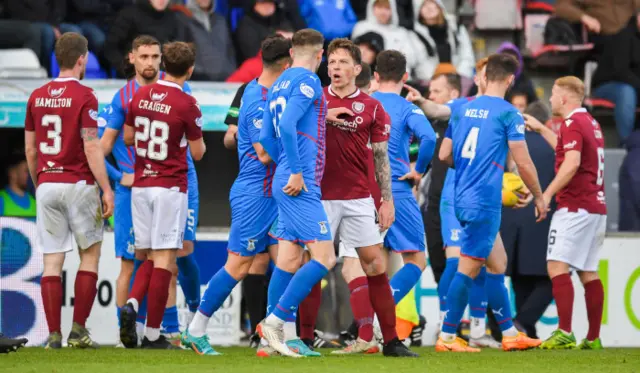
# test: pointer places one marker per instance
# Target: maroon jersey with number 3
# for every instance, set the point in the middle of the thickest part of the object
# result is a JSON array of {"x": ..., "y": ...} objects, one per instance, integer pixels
[
  {"x": 57, "y": 112},
  {"x": 347, "y": 168},
  {"x": 580, "y": 132},
  {"x": 164, "y": 118}
]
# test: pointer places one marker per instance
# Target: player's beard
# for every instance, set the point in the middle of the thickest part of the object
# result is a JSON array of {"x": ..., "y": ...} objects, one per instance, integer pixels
[{"x": 149, "y": 74}]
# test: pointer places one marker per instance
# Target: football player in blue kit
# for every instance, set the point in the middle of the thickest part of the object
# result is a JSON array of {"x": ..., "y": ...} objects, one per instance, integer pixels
[
  {"x": 406, "y": 235},
  {"x": 293, "y": 134},
  {"x": 253, "y": 208},
  {"x": 145, "y": 57},
  {"x": 479, "y": 136}
]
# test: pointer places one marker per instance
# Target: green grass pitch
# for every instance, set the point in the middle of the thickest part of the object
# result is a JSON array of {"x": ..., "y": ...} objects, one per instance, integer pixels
[{"x": 242, "y": 359}]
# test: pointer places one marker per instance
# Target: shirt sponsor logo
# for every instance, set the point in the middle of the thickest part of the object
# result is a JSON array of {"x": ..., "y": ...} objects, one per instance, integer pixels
[
  {"x": 257, "y": 123},
  {"x": 358, "y": 107},
  {"x": 520, "y": 128},
  {"x": 148, "y": 172},
  {"x": 52, "y": 169},
  {"x": 351, "y": 126},
  {"x": 158, "y": 97},
  {"x": 307, "y": 90},
  {"x": 570, "y": 145},
  {"x": 55, "y": 93},
  {"x": 387, "y": 129},
  {"x": 199, "y": 122},
  {"x": 598, "y": 134},
  {"x": 93, "y": 114},
  {"x": 600, "y": 197}
]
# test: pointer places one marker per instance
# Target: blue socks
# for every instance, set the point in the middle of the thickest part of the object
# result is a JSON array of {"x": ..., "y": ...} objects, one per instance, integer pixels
[
  {"x": 118, "y": 315},
  {"x": 499, "y": 300},
  {"x": 450, "y": 270},
  {"x": 189, "y": 279},
  {"x": 457, "y": 299},
  {"x": 404, "y": 280},
  {"x": 218, "y": 289},
  {"x": 298, "y": 289},
  {"x": 170, "y": 322},
  {"x": 277, "y": 285},
  {"x": 478, "y": 296}
]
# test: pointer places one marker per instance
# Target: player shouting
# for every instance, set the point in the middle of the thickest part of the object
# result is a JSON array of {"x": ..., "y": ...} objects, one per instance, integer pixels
[
  {"x": 578, "y": 226},
  {"x": 406, "y": 234},
  {"x": 161, "y": 121},
  {"x": 482, "y": 132},
  {"x": 347, "y": 199},
  {"x": 253, "y": 208},
  {"x": 294, "y": 134},
  {"x": 65, "y": 162},
  {"x": 145, "y": 58}
]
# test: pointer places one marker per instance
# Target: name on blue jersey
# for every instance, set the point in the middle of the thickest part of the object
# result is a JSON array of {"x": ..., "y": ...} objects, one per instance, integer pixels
[
  {"x": 476, "y": 113},
  {"x": 282, "y": 85}
]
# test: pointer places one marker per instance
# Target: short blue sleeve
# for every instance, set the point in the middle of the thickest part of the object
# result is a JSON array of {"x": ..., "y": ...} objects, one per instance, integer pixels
[
  {"x": 421, "y": 127},
  {"x": 254, "y": 121},
  {"x": 117, "y": 115},
  {"x": 448, "y": 131},
  {"x": 186, "y": 88},
  {"x": 514, "y": 125}
]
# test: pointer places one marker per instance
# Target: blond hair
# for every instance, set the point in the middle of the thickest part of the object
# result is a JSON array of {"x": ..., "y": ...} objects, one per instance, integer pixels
[{"x": 572, "y": 84}]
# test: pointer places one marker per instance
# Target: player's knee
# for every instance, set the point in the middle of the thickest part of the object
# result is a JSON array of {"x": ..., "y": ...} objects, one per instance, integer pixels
[
  {"x": 327, "y": 258},
  {"x": 238, "y": 266},
  {"x": 351, "y": 269},
  {"x": 452, "y": 252},
  {"x": 53, "y": 264},
  {"x": 260, "y": 264},
  {"x": 497, "y": 267},
  {"x": 186, "y": 250},
  {"x": 419, "y": 259},
  {"x": 588, "y": 276},
  {"x": 555, "y": 268}
]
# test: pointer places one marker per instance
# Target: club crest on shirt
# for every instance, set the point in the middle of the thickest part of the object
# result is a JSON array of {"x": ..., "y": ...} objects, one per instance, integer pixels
[
  {"x": 307, "y": 90},
  {"x": 55, "y": 93},
  {"x": 251, "y": 245},
  {"x": 323, "y": 227},
  {"x": 455, "y": 234},
  {"x": 358, "y": 107},
  {"x": 158, "y": 97}
]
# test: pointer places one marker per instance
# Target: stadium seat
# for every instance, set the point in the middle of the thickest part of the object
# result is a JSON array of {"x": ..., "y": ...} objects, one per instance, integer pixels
[
  {"x": 94, "y": 71},
  {"x": 20, "y": 63}
]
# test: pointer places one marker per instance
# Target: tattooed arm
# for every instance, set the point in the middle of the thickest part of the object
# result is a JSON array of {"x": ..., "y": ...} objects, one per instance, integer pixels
[
  {"x": 511, "y": 165},
  {"x": 383, "y": 177},
  {"x": 95, "y": 158}
]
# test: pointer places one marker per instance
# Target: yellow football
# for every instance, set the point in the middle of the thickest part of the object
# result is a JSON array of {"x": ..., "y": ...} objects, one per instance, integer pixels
[{"x": 511, "y": 185}]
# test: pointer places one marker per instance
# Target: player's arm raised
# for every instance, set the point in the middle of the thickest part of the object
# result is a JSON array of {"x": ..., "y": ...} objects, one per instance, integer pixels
[
  {"x": 446, "y": 146},
  {"x": 422, "y": 129},
  {"x": 30, "y": 147},
  {"x": 430, "y": 108},
  {"x": 534, "y": 125}
]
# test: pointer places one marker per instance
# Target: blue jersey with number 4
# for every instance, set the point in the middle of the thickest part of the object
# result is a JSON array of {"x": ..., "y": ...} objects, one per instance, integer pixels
[
  {"x": 449, "y": 180},
  {"x": 480, "y": 131},
  {"x": 293, "y": 131}
]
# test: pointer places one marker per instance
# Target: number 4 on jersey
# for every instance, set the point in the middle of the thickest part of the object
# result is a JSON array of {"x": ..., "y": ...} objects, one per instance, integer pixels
[{"x": 470, "y": 144}]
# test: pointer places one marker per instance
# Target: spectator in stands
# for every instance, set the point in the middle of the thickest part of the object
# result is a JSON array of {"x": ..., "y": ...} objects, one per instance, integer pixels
[
  {"x": 15, "y": 199},
  {"x": 370, "y": 44},
  {"x": 382, "y": 19},
  {"x": 334, "y": 19},
  {"x": 441, "y": 40},
  {"x": 522, "y": 83},
  {"x": 629, "y": 180},
  {"x": 519, "y": 100},
  {"x": 49, "y": 16},
  {"x": 21, "y": 34},
  {"x": 92, "y": 16},
  {"x": 148, "y": 17},
  {"x": 252, "y": 67},
  {"x": 613, "y": 27},
  {"x": 259, "y": 21},
  {"x": 526, "y": 241},
  {"x": 215, "y": 57}
]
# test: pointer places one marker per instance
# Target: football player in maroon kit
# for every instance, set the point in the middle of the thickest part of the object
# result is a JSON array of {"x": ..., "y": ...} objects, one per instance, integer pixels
[
  {"x": 578, "y": 226},
  {"x": 162, "y": 120},
  {"x": 66, "y": 162},
  {"x": 346, "y": 198}
]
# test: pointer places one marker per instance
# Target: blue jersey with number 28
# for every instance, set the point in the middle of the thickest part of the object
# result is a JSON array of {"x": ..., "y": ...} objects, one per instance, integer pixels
[
  {"x": 293, "y": 131},
  {"x": 480, "y": 131}
]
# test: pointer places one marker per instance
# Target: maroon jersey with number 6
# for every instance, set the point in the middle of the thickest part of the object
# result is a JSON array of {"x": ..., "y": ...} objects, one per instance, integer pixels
[
  {"x": 164, "y": 118},
  {"x": 57, "y": 112},
  {"x": 347, "y": 169},
  {"x": 580, "y": 132}
]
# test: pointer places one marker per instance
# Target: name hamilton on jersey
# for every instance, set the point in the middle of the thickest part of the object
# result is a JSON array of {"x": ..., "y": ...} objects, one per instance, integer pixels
[{"x": 53, "y": 102}]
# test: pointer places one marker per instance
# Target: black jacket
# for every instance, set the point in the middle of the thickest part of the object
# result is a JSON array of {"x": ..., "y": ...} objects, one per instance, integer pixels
[
  {"x": 98, "y": 11},
  {"x": 619, "y": 57},
  {"x": 253, "y": 29},
  {"x": 629, "y": 181},
  {"x": 140, "y": 19},
  {"x": 49, "y": 11}
]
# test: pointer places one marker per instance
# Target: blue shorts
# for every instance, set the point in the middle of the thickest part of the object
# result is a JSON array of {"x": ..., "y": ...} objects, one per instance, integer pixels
[
  {"x": 449, "y": 225},
  {"x": 192, "y": 217},
  {"x": 251, "y": 219},
  {"x": 302, "y": 218},
  {"x": 479, "y": 228},
  {"x": 406, "y": 234},
  {"x": 123, "y": 224}
]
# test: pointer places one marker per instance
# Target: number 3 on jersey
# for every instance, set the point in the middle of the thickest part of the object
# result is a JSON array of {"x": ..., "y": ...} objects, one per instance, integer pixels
[
  {"x": 156, "y": 133},
  {"x": 276, "y": 107},
  {"x": 470, "y": 144}
]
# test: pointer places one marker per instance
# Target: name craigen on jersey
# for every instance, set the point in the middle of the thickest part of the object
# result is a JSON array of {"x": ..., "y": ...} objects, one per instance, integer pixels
[{"x": 154, "y": 106}]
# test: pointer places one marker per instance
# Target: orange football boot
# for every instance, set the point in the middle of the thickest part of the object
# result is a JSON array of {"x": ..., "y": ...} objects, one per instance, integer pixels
[
  {"x": 519, "y": 343},
  {"x": 458, "y": 345}
]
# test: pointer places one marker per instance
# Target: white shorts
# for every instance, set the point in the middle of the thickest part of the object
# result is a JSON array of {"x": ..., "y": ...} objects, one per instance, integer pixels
[
  {"x": 159, "y": 217},
  {"x": 64, "y": 210},
  {"x": 354, "y": 222},
  {"x": 576, "y": 238}
]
